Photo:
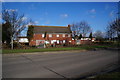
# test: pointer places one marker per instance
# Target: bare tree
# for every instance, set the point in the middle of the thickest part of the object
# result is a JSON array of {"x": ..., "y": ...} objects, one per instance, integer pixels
[
  {"x": 17, "y": 23},
  {"x": 98, "y": 35},
  {"x": 30, "y": 30},
  {"x": 113, "y": 29},
  {"x": 75, "y": 29},
  {"x": 116, "y": 26},
  {"x": 110, "y": 32},
  {"x": 85, "y": 28},
  {"x": 80, "y": 28}
]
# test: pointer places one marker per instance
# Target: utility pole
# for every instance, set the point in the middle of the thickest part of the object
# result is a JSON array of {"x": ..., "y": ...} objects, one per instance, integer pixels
[
  {"x": 118, "y": 22},
  {"x": 12, "y": 37},
  {"x": 118, "y": 26},
  {"x": 118, "y": 34}
]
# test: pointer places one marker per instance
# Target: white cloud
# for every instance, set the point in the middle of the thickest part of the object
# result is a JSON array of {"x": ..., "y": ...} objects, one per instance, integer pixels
[
  {"x": 11, "y": 10},
  {"x": 30, "y": 23},
  {"x": 107, "y": 7},
  {"x": 36, "y": 22},
  {"x": 93, "y": 16},
  {"x": 41, "y": 19},
  {"x": 64, "y": 15},
  {"x": 32, "y": 7},
  {"x": 46, "y": 13},
  {"x": 43, "y": 24},
  {"x": 92, "y": 11},
  {"x": 111, "y": 14},
  {"x": 47, "y": 22},
  {"x": 24, "y": 18}
]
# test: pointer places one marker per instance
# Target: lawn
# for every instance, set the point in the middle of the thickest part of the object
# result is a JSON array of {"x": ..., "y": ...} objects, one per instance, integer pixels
[
  {"x": 86, "y": 47},
  {"x": 113, "y": 76}
]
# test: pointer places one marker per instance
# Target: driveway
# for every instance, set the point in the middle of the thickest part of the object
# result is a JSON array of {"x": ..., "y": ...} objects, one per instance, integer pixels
[{"x": 64, "y": 64}]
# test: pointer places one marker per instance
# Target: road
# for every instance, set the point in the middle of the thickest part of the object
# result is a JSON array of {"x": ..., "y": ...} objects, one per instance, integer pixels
[{"x": 64, "y": 64}]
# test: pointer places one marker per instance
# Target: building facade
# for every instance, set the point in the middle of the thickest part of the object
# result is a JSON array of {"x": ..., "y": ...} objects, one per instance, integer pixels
[{"x": 57, "y": 35}]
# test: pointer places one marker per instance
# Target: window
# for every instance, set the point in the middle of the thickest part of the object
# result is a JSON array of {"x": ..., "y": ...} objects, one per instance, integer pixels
[
  {"x": 51, "y": 41},
  {"x": 50, "y": 35},
  {"x": 57, "y": 35},
  {"x": 57, "y": 41},
  {"x": 68, "y": 35},
  {"x": 63, "y": 35},
  {"x": 77, "y": 41},
  {"x": 47, "y": 42},
  {"x": 63, "y": 41},
  {"x": 42, "y": 35},
  {"x": 82, "y": 39}
]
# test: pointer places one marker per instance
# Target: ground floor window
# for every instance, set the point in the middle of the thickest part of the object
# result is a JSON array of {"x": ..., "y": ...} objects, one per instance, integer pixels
[
  {"x": 63, "y": 41},
  {"x": 40, "y": 43},
  {"x": 47, "y": 42},
  {"x": 57, "y": 41},
  {"x": 77, "y": 41}
]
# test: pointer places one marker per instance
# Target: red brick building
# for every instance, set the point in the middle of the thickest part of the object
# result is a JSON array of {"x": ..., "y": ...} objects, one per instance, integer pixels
[{"x": 51, "y": 35}]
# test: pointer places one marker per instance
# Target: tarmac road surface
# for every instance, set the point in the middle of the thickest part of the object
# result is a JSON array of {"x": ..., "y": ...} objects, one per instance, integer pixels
[{"x": 64, "y": 64}]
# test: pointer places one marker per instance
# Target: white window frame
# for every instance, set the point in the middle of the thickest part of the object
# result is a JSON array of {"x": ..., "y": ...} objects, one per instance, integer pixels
[
  {"x": 43, "y": 35},
  {"x": 57, "y": 35},
  {"x": 58, "y": 41},
  {"x": 63, "y": 41},
  {"x": 70, "y": 41},
  {"x": 50, "y": 35},
  {"x": 82, "y": 39},
  {"x": 52, "y": 42},
  {"x": 68, "y": 35},
  {"x": 47, "y": 42},
  {"x": 63, "y": 35}
]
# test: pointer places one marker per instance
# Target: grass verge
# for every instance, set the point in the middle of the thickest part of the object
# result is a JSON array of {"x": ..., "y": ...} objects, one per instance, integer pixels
[
  {"x": 113, "y": 76},
  {"x": 86, "y": 47}
]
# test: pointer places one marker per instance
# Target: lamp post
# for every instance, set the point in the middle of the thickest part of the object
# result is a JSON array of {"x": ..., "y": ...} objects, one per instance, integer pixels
[{"x": 118, "y": 17}]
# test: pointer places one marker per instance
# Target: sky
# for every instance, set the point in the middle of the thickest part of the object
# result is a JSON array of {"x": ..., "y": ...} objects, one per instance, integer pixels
[
  {"x": 60, "y": 0},
  {"x": 97, "y": 14}
]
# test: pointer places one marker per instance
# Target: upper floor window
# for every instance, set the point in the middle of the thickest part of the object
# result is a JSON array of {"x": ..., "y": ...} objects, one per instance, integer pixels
[
  {"x": 57, "y": 35},
  {"x": 63, "y": 35},
  {"x": 50, "y": 35},
  {"x": 43, "y": 35},
  {"x": 68, "y": 35}
]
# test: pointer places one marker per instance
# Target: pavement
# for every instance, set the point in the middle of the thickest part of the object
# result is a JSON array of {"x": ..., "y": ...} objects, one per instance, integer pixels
[{"x": 61, "y": 64}]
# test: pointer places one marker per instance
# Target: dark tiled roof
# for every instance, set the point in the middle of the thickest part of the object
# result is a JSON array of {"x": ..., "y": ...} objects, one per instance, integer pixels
[{"x": 51, "y": 29}]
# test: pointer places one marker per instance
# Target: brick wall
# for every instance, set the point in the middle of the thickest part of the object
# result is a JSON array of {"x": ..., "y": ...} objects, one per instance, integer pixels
[
  {"x": 66, "y": 37},
  {"x": 85, "y": 41}
]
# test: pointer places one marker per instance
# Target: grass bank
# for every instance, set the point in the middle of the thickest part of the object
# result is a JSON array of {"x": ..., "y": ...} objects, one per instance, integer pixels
[
  {"x": 113, "y": 76},
  {"x": 85, "y": 47}
]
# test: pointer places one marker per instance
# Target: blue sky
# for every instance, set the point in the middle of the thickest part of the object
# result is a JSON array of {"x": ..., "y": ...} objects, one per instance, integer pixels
[
  {"x": 60, "y": 0},
  {"x": 97, "y": 14}
]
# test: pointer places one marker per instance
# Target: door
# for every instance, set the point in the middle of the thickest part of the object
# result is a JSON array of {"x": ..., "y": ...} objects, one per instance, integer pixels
[{"x": 40, "y": 42}]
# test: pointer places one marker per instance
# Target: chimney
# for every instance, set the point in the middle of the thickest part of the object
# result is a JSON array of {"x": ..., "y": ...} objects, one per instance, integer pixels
[{"x": 69, "y": 25}]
